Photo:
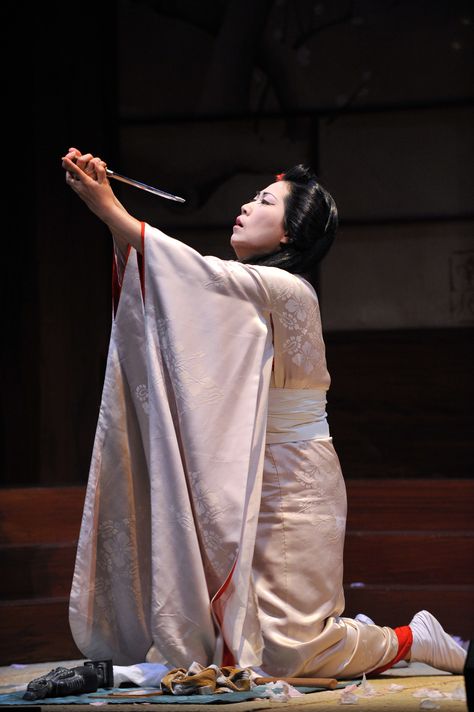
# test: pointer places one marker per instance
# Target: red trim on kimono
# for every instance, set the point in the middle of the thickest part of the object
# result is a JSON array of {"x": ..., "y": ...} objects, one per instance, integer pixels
[
  {"x": 227, "y": 655},
  {"x": 405, "y": 641},
  {"x": 141, "y": 261}
]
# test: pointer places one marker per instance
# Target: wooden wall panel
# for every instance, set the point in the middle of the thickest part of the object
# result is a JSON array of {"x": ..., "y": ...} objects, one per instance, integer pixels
[
  {"x": 428, "y": 557},
  {"x": 40, "y": 515},
  {"x": 410, "y": 505},
  {"x": 37, "y": 571},
  {"x": 35, "y": 631},
  {"x": 400, "y": 403},
  {"x": 410, "y": 546},
  {"x": 394, "y": 605}
]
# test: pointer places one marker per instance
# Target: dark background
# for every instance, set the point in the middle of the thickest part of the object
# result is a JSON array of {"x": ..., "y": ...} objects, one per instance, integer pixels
[{"x": 210, "y": 100}]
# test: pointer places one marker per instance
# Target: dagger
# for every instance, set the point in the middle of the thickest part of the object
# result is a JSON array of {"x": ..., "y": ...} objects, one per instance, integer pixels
[{"x": 144, "y": 186}]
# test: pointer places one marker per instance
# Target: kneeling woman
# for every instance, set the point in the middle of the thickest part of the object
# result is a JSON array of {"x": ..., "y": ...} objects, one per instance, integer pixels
[{"x": 214, "y": 520}]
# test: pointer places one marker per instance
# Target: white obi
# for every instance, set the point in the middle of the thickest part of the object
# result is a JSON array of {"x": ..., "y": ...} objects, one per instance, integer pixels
[{"x": 296, "y": 414}]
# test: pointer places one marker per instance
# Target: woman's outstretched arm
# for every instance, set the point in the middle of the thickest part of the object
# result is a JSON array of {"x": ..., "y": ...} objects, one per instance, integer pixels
[{"x": 86, "y": 175}]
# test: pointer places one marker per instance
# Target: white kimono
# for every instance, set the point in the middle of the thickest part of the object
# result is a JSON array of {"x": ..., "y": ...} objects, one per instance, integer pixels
[{"x": 214, "y": 518}]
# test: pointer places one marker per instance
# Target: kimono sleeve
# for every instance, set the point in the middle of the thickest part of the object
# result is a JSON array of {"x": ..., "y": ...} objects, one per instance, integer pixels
[
  {"x": 226, "y": 277},
  {"x": 210, "y": 351},
  {"x": 168, "y": 535}
]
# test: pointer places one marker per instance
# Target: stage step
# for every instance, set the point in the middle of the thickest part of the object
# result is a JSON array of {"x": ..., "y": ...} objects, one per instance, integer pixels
[{"x": 409, "y": 545}]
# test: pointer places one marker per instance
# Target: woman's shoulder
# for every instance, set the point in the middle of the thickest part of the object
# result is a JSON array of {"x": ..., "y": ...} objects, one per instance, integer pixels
[
  {"x": 276, "y": 283},
  {"x": 268, "y": 275},
  {"x": 280, "y": 279}
]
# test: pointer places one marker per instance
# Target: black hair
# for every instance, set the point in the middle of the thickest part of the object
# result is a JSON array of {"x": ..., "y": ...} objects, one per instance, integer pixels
[{"x": 310, "y": 222}]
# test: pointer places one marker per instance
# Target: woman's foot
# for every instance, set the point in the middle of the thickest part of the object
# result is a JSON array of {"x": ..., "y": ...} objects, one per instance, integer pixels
[{"x": 432, "y": 645}]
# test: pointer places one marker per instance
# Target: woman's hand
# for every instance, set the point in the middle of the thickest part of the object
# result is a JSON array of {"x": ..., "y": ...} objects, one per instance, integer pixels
[{"x": 87, "y": 176}]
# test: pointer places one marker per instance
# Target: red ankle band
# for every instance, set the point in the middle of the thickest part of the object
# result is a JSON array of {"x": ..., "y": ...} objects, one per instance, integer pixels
[{"x": 405, "y": 641}]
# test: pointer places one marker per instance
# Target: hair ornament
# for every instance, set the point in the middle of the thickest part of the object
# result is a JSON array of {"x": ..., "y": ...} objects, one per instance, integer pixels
[{"x": 280, "y": 176}]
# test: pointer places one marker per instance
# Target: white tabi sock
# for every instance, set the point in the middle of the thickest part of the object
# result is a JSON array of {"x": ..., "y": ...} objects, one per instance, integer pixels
[{"x": 433, "y": 646}]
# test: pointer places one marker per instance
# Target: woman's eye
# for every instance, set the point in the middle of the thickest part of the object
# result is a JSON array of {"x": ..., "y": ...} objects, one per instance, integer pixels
[{"x": 259, "y": 199}]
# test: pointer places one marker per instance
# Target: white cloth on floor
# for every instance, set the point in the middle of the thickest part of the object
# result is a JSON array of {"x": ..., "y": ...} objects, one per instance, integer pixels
[{"x": 142, "y": 674}]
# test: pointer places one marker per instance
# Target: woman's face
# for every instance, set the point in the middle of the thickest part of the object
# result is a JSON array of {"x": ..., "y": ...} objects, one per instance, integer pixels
[{"x": 258, "y": 230}]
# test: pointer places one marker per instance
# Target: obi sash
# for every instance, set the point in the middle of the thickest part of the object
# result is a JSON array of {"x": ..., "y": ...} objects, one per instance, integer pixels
[{"x": 296, "y": 414}]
